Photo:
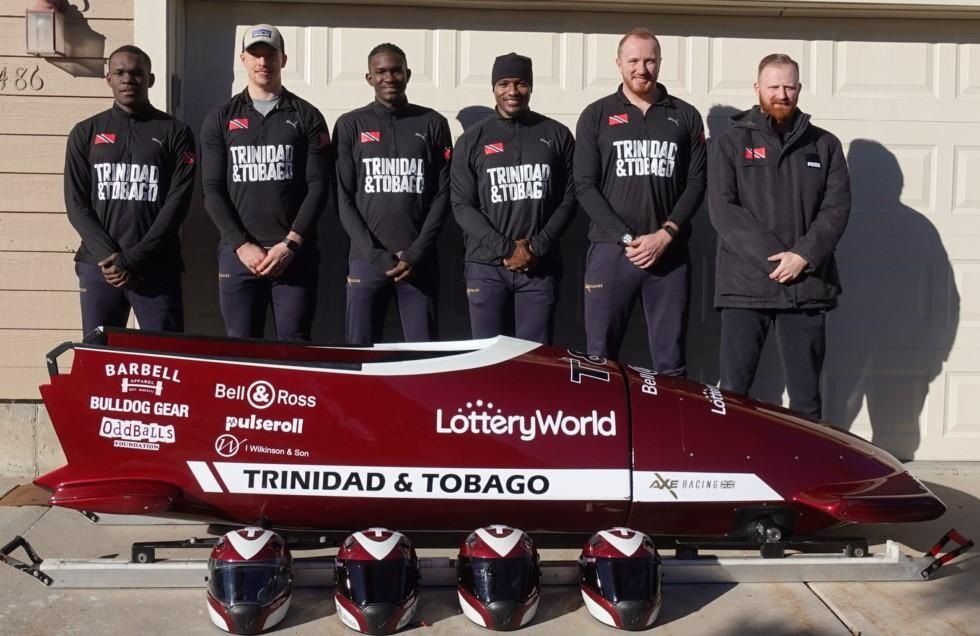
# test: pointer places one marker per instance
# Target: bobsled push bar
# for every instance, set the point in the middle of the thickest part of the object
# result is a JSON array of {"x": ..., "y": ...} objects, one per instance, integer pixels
[{"x": 892, "y": 565}]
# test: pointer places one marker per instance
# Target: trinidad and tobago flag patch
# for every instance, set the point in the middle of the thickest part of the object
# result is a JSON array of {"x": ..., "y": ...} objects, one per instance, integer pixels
[
  {"x": 104, "y": 138},
  {"x": 447, "y": 153},
  {"x": 370, "y": 136},
  {"x": 240, "y": 123},
  {"x": 188, "y": 158},
  {"x": 324, "y": 139},
  {"x": 619, "y": 120},
  {"x": 755, "y": 153},
  {"x": 493, "y": 149}
]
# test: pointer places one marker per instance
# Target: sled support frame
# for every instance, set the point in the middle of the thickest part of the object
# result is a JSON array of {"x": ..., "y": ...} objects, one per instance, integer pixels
[{"x": 891, "y": 565}]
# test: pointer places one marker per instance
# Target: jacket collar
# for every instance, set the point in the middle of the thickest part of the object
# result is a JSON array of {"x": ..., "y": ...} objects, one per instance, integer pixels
[
  {"x": 524, "y": 118},
  {"x": 287, "y": 101},
  {"x": 661, "y": 96},
  {"x": 755, "y": 119},
  {"x": 383, "y": 111},
  {"x": 142, "y": 115}
]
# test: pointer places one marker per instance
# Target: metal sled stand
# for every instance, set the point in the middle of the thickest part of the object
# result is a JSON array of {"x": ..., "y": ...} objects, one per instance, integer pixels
[{"x": 891, "y": 565}]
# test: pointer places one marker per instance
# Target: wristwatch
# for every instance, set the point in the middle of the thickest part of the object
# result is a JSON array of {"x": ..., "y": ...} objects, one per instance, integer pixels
[
  {"x": 291, "y": 245},
  {"x": 626, "y": 239},
  {"x": 669, "y": 229}
]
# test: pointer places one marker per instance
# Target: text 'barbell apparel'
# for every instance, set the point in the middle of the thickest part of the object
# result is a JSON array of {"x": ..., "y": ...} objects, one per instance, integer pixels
[
  {"x": 128, "y": 183},
  {"x": 512, "y": 179},
  {"x": 634, "y": 171},
  {"x": 392, "y": 181},
  {"x": 265, "y": 176}
]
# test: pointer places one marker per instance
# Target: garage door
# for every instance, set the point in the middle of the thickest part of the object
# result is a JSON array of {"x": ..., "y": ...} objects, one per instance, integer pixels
[{"x": 903, "y": 95}]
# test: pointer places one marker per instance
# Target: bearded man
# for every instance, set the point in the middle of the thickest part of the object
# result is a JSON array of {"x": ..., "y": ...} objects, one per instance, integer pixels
[
  {"x": 639, "y": 175},
  {"x": 779, "y": 197}
]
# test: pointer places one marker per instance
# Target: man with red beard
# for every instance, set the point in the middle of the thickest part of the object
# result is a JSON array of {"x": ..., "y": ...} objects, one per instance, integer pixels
[
  {"x": 640, "y": 176},
  {"x": 779, "y": 197}
]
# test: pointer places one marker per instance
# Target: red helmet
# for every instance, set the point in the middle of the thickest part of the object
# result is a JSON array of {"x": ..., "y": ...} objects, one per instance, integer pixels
[
  {"x": 498, "y": 575},
  {"x": 376, "y": 583},
  {"x": 621, "y": 574},
  {"x": 250, "y": 580}
]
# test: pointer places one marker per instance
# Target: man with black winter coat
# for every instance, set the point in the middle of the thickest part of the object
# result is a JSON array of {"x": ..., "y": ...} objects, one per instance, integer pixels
[
  {"x": 779, "y": 197},
  {"x": 513, "y": 195},
  {"x": 393, "y": 197}
]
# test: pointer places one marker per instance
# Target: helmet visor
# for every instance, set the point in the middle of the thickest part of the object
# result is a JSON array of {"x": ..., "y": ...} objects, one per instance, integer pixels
[
  {"x": 365, "y": 582},
  {"x": 260, "y": 583},
  {"x": 624, "y": 579},
  {"x": 492, "y": 580}
]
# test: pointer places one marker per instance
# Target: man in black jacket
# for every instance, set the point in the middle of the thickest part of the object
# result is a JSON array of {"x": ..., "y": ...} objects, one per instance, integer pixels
[
  {"x": 393, "y": 191},
  {"x": 779, "y": 197},
  {"x": 129, "y": 174},
  {"x": 266, "y": 171},
  {"x": 513, "y": 195},
  {"x": 640, "y": 176}
]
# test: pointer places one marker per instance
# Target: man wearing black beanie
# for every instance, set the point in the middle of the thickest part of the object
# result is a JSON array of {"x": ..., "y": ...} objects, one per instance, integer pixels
[{"x": 513, "y": 195}]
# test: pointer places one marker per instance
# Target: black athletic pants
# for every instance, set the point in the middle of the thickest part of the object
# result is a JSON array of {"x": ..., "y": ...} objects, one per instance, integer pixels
[
  {"x": 492, "y": 290},
  {"x": 245, "y": 297},
  {"x": 612, "y": 284},
  {"x": 368, "y": 293},
  {"x": 802, "y": 343},
  {"x": 155, "y": 298}
]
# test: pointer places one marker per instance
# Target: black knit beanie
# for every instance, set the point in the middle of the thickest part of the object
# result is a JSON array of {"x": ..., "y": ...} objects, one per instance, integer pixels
[{"x": 512, "y": 65}]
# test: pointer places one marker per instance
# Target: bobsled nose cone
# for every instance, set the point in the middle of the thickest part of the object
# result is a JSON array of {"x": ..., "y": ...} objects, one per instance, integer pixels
[
  {"x": 635, "y": 614},
  {"x": 244, "y": 619},
  {"x": 378, "y": 617},
  {"x": 506, "y": 615}
]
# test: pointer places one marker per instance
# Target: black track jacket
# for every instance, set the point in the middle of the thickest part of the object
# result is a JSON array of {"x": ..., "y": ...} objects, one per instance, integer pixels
[
  {"x": 634, "y": 172},
  {"x": 392, "y": 181},
  {"x": 512, "y": 179},
  {"x": 766, "y": 196},
  {"x": 128, "y": 182},
  {"x": 265, "y": 176}
]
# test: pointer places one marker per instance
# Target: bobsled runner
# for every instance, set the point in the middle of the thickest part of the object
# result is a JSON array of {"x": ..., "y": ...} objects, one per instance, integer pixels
[{"x": 446, "y": 436}]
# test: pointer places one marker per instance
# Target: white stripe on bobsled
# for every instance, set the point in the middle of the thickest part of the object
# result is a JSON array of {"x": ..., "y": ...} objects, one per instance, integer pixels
[
  {"x": 476, "y": 354},
  {"x": 205, "y": 478}
]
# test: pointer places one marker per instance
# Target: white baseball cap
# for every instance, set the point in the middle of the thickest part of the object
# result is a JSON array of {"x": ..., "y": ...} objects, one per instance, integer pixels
[{"x": 262, "y": 34}]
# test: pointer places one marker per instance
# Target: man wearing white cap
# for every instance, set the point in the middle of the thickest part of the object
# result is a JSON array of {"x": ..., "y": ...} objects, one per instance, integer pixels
[{"x": 266, "y": 169}]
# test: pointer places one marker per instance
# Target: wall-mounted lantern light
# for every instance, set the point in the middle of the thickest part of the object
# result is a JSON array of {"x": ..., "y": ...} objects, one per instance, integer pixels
[{"x": 46, "y": 28}]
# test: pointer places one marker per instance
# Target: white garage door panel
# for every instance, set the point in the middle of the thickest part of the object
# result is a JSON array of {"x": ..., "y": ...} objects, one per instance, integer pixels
[{"x": 903, "y": 95}]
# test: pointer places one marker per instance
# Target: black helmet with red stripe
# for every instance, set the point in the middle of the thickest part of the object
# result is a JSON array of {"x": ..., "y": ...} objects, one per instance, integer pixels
[
  {"x": 250, "y": 581},
  {"x": 376, "y": 584},
  {"x": 498, "y": 574},
  {"x": 620, "y": 571}
]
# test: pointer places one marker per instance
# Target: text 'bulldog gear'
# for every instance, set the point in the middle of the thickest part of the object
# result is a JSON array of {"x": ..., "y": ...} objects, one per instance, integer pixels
[
  {"x": 376, "y": 586},
  {"x": 250, "y": 581},
  {"x": 498, "y": 574},
  {"x": 621, "y": 576}
]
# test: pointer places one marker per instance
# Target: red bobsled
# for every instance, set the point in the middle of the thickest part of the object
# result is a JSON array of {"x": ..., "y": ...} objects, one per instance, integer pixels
[{"x": 446, "y": 436}]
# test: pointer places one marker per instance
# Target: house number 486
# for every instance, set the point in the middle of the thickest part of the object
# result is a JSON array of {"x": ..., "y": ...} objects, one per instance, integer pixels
[{"x": 21, "y": 78}]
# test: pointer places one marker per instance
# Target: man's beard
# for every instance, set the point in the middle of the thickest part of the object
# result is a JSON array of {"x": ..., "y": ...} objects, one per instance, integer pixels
[{"x": 781, "y": 113}]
